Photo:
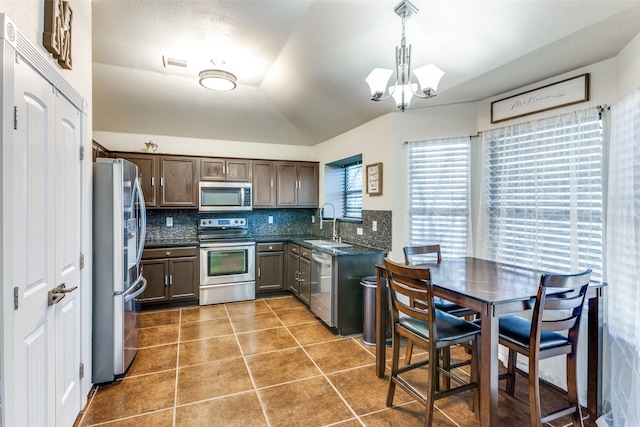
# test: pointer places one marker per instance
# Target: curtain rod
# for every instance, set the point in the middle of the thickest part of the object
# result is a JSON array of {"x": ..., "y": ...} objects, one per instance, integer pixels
[{"x": 478, "y": 134}]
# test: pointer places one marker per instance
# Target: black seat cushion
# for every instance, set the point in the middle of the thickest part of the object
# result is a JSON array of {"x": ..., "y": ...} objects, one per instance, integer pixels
[
  {"x": 518, "y": 329},
  {"x": 448, "y": 327},
  {"x": 448, "y": 306}
]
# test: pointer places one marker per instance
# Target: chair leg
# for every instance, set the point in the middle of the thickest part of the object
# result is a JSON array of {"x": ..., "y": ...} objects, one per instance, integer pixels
[
  {"x": 395, "y": 347},
  {"x": 510, "y": 387},
  {"x": 407, "y": 357},
  {"x": 534, "y": 395},
  {"x": 434, "y": 381},
  {"x": 446, "y": 365},
  {"x": 572, "y": 389}
]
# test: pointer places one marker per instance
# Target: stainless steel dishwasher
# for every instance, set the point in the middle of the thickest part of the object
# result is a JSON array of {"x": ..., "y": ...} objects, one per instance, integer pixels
[{"x": 322, "y": 289}]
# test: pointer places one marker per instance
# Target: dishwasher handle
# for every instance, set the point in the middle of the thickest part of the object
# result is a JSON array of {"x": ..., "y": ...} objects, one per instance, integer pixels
[{"x": 321, "y": 258}]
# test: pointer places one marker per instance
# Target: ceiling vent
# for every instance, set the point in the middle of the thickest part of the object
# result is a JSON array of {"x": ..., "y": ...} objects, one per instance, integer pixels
[{"x": 174, "y": 63}]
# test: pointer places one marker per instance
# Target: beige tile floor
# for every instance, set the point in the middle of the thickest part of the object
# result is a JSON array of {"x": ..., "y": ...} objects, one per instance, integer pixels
[{"x": 267, "y": 362}]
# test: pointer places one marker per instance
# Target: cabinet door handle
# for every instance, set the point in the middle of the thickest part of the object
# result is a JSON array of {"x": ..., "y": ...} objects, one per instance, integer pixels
[
  {"x": 166, "y": 280},
  {"x": 162, "y": 181},
  {"x": 171, "y": 279},
  {"x": 258, "y": 272},
  {"x": 153, "y": 181},
  {"x": 272, "y": 183}
]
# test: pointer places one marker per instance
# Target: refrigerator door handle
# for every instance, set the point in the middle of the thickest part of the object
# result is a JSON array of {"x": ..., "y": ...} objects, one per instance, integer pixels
[
  {"x": 143, "y": 215},
  {"x": 134, "y": 285},
  {"x": 137, "y": 293}
]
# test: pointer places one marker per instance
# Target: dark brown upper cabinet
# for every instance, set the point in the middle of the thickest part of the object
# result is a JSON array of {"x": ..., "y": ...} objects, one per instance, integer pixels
[
  {"x": 297, "y": 184},
  {"x": 147, "y": 173},
  {"x": 217, "y": 169},
  {"x": 179, "y": 181},
  {"x": 264, "y": 177}
]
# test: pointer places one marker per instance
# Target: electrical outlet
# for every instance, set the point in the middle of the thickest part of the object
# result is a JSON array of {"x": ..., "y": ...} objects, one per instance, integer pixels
[
  {"x": 270, "y": 220},
  {"x": 359, "y": 231},
  {"x": 169, "y": 221},
  {"x": 374, "y": 225}
]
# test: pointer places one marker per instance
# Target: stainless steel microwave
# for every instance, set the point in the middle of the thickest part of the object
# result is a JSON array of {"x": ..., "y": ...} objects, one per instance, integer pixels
[{"x": 225, "y": 196}]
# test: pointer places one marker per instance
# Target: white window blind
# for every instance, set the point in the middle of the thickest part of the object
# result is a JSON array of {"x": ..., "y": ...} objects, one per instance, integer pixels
[
  {"x": 438, "y": 194},
  {"x": 353, "y": 191},
  {"x": 544, "y": 194}
]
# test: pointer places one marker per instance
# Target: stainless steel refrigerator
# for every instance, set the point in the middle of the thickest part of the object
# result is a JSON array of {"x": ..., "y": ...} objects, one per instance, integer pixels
[{"x": 119, "y": 224}]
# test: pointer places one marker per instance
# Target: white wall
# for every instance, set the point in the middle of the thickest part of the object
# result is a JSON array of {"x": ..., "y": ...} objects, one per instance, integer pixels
[
  {"x": 628, "y": 68},
  {"x": 28, "y": 16},
  {"x": 114, "y": 141}
]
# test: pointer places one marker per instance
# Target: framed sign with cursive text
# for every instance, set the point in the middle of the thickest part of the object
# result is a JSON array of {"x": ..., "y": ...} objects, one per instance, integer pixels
[{"x": 555, "y": 95}]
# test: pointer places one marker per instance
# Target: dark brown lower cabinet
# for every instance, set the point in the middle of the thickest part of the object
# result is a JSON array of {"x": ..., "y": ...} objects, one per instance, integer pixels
[
  {"x": 171, "y": 273},
  {"x": 299, "y": 272},
  {"x": 269, "y": 267}
]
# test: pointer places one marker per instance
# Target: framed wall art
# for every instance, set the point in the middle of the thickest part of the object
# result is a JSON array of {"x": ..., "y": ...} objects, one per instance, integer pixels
[
  {"x": 374, "y": 178},
  {"x": 555, "y": 95}
]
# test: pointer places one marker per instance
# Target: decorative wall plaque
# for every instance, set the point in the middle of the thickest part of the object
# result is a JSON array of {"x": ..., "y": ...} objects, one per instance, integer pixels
[
  {"x": 556, "y": 95},
  {"x": 57, "y": 31},
  {"x": 374, "y": 178}
]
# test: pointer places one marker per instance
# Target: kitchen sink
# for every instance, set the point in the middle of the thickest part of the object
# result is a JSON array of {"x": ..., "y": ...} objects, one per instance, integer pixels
[{"x": 328, "y": 244}]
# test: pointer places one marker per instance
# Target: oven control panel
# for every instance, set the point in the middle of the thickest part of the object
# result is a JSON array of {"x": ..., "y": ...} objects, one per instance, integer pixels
[{"x": 223, "y": 222}]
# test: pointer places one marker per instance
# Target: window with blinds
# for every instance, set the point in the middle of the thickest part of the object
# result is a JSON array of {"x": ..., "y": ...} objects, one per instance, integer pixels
[
  {"x": 353, "y": 191},
  {"x": 438, "y": 194},
  {"x": 544, "y": 194}
]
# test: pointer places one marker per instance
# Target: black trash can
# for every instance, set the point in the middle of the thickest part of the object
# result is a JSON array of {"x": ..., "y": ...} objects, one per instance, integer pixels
[{"x": 369, "y": 312}]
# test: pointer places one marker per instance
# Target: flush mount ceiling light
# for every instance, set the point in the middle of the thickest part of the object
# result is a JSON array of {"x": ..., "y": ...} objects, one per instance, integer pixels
[
  {"x": 218, "y": 79},
  {"x": 428, "y": 76}
]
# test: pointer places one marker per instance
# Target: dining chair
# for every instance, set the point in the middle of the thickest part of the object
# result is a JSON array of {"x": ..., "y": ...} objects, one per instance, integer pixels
[
  {"x": 421, "y": 254},
  {"x": 431, "y": 329},
  {"x": 552, "y": 331}
]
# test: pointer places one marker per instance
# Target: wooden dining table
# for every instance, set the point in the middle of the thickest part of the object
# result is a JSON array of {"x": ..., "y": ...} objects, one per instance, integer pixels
[{"x": 493, "y": 289}]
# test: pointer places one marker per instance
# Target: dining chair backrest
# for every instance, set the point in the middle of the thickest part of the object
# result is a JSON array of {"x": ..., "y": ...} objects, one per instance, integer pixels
[
  {"x": 557, "y": 309},
  {"x": 570, "y": 302},
  {"x": 432, "y": 330},
  {"x": 412, "y": 283},
  {"x": 419, "y": 251}
]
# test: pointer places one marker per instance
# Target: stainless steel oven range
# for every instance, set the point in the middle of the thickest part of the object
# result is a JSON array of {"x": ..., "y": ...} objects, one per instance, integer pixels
[{"x": 227, "y": 261}]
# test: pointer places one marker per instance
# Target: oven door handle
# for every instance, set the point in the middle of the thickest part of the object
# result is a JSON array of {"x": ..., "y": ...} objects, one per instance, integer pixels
[{"x": 227, "y": 245}]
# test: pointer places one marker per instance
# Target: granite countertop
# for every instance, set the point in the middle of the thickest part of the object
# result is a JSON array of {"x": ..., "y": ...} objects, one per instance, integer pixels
[{"x": 301, "y": 240}]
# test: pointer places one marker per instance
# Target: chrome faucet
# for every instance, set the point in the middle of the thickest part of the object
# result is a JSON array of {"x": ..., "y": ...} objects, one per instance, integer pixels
[{"x": 334, "y": 237}]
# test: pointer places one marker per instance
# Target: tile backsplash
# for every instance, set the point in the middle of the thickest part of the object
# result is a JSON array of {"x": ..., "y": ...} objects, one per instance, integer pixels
[{"x": 284, "y": 222}]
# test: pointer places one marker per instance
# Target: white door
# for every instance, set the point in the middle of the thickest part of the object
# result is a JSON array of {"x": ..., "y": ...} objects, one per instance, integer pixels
[
  {"x": 67, "y": 260},
  {"x": 45, "y": 337}
]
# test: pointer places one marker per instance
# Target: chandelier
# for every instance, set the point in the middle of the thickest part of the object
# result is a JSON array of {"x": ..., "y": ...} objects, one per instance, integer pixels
[{"x": 428, "y": 76}]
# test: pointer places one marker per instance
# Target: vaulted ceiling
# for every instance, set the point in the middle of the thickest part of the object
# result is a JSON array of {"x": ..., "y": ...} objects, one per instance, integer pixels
[{"x": 301, "y": 64}]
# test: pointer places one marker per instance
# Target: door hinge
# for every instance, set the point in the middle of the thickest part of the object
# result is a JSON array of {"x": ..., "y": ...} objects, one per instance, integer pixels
[
  {"x": 81, "y": 261},
  {"x": 15, "y": 117},
  {"x": 81, "y": 370},
  {"x": 15, "y": 298},
  {"x": 82, "y": 152}
]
